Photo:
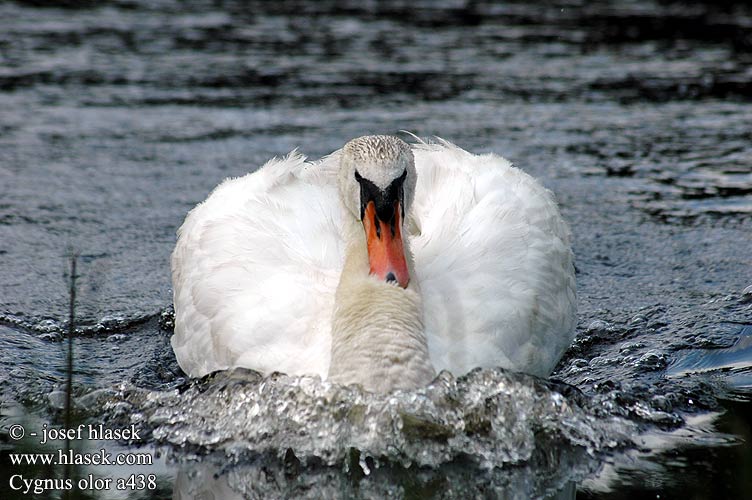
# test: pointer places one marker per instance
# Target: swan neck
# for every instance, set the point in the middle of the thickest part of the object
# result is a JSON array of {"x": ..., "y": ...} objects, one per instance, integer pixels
[{"x": 378, "y": 337}]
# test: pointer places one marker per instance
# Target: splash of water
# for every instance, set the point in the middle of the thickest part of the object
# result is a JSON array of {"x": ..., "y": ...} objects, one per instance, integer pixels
[{"x": 491, "y": 417}]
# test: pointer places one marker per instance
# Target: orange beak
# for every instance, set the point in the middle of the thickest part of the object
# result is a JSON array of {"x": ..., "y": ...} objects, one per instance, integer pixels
[{"x": 386, "y": 254}]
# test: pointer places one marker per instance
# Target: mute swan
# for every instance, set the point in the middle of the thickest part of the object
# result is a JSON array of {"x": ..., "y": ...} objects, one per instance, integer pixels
[{"x": 380, "y": 264}]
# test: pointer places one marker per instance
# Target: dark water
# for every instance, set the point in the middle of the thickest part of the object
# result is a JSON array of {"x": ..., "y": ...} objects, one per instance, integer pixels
[{"x": 117, "y": 117}]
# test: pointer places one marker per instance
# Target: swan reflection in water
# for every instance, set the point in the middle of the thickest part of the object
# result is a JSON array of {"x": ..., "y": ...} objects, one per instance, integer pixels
[{"x": 205, "y": 482}]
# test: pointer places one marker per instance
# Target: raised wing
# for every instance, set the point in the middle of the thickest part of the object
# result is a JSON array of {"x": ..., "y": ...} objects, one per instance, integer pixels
[
  {"x": 493, "y": 261},
  {"x": 255, "y": 270}
]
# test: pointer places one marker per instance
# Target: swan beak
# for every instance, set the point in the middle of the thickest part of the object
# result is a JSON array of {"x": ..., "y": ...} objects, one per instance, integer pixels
[{"x": 386, "y": 254}]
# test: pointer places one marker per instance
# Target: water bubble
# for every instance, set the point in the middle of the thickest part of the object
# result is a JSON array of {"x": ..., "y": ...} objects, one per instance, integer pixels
[
  {"x": 95, "y": 399},
  {"x": 652, "y": 360},
  {"x": 599, "y": 326},
  {"x": 56, "y": 399},
  {"x": 661, "y": 402},
  {"x": 637, "y": 319},
  {"x": 110, "y": 323},
  {"x": 50, "y": 337},
  {"x": 48, "y": 326},
  {"x": 747, "y": 294}
]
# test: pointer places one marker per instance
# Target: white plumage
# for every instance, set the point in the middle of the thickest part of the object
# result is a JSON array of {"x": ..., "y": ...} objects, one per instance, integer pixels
[{"x": 257, "y": 265}]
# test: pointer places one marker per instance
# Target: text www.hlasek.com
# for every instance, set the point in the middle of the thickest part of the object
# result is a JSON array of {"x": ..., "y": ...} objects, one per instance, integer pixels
[{"x": 71, "y": 457}]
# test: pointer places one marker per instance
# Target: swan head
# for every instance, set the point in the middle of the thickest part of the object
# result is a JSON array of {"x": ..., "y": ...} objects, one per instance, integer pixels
[{"x": 377, "y": 184}]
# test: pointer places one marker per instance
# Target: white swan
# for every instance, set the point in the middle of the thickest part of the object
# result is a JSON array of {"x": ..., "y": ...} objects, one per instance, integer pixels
[{"x": 381, "y": 264}]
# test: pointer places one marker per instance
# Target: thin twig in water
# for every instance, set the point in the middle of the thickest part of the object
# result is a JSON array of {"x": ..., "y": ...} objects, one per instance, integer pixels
[{"x": 69, "y": 382}]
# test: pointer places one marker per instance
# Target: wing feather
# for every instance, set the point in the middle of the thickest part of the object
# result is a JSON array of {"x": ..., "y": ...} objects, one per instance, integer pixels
[
  {"x": 255, "y": 269},
  {"x": 493, "y": 261}
]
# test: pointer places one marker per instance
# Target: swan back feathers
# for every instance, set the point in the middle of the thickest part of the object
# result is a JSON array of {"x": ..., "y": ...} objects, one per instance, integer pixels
[{"x": 256, "y": 266}]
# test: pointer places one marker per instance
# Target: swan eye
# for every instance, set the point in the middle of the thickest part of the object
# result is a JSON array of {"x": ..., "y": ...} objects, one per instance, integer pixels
[{"x": 383, "y": 198}]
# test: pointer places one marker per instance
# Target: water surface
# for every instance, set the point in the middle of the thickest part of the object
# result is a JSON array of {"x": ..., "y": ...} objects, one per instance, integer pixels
[{"x": 118, "y": 117}]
